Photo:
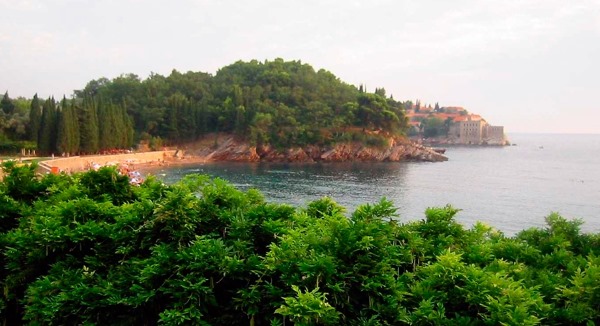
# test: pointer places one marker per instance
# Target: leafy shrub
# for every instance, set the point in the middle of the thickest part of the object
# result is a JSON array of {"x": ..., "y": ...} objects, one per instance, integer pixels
[{"x": 90, "y": 249}]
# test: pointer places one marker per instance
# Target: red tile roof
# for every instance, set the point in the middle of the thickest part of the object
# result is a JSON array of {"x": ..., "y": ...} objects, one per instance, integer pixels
[{"x": 472, "y": 117}]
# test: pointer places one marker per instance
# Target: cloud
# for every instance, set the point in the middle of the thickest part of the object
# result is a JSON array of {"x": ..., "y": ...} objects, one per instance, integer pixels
[
  {"x": 491, "y": 56},
  {"x": 21, "y": 5}
]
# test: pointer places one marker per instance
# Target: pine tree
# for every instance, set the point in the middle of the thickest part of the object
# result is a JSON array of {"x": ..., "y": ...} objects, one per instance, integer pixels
[
  {"x": 7, "y": 105},
  {"x": 172, "y": 131},
  {"x": 240, "y": 127},
  {"x": 201, "y": 118},
  {"x": 188, "y": 121},
  {"x": 238, "y": 95}
]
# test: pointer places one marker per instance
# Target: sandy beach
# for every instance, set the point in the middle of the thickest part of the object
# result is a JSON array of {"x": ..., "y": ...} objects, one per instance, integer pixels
[{"x": 134, "y": 161}]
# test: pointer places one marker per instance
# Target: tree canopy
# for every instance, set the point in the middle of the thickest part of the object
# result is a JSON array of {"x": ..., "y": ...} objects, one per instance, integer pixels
[
  {"x": 304, "y": 106},
  {"x": 280, "y": 103}
]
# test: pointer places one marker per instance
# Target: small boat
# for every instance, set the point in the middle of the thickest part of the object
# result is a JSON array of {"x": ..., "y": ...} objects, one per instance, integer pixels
[{"x": 439, "y": 150}]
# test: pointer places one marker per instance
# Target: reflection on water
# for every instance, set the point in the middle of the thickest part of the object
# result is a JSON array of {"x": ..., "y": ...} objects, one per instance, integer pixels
[
  {"x": 510, "y": 188},
  {"x": 349, "y": 184}
]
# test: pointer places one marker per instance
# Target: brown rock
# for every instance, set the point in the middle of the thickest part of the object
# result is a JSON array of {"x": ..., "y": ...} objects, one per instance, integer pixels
[
  {"x": 399, "y": 150},
  {"x": 298, "y": 155}
]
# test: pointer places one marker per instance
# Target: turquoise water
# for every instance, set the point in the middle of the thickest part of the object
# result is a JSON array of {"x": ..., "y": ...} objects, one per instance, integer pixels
[{"x": 510, "y": 188}]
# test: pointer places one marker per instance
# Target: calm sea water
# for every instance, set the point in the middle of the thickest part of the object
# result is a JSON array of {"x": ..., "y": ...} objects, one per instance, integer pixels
[{"x": 510, "y": 188}]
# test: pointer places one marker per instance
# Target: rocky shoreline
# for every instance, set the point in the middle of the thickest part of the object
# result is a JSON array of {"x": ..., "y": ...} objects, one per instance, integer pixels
[
  {"x": 398, "y": 150},
  {"x": 230, "y": 150}
]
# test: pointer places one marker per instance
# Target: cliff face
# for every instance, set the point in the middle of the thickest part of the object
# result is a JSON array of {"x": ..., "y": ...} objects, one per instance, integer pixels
[{"x": 398, "y": 150}]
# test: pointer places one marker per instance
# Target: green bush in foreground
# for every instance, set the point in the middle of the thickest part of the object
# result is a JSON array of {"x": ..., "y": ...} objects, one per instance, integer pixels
[{"x": 90, "y": 249}]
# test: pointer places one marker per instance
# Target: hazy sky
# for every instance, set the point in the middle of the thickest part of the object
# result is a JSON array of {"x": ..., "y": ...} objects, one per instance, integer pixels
[{"x": 530, "y": 65}]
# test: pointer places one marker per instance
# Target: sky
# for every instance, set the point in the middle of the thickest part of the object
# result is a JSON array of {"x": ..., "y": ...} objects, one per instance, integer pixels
[{"x": 530, "y": 65}]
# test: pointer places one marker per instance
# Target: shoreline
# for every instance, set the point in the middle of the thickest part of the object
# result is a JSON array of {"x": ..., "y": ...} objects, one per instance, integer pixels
[
  {"x": 231, "y": 151},
  {"x": 147, "y": 167},
  {"x": 84, "y": 163}
]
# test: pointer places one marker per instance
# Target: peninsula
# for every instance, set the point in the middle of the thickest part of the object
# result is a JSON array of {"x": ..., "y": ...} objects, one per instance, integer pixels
[
  {"x": 231, "y": 149},
  {"x": 248, "y": 111}
]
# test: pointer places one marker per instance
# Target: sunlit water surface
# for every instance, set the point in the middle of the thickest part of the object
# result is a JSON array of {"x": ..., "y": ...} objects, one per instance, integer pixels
[{"x": 510, "y": 188}]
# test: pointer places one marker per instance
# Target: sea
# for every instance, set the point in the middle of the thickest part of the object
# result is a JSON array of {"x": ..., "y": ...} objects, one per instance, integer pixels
[{"x": 510, "y": 188}]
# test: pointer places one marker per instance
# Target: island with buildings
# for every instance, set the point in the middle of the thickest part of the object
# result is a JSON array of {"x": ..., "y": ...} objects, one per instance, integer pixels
[{"x": 452, "y": 125}]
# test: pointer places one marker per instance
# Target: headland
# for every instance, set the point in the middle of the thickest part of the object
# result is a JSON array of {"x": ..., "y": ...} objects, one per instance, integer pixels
[{"x": 228, "y": 149}]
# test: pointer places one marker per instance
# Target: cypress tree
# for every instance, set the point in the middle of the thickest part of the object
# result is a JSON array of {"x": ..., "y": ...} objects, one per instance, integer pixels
[
  {"x": 48, "y": 126},
  {"x": 68, "y": 135},
  {"x": 127, "y": 125},
  {"x": 115, "y": 128},
  {"x": 118, "y": 126},
  {"x": 35, "y": 117},
  {"x": 76, "y": 128},
  {"x": 89, "y": 132},
  {"x": 104, "y": 126},
  {"x": 62, "y": 143},
  {"x": 128, "y": 132}
]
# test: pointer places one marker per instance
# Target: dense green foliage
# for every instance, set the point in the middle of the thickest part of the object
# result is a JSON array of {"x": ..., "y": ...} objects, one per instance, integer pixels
[
  {"x": 13, "y": 124},
  {"x": 78, "y": 126},
  {"x": 91, "y": 249},
  {"x": 277, "y": 102},
  {"x": 65, "y": 127},
  {"x": 281, "y": 103}
]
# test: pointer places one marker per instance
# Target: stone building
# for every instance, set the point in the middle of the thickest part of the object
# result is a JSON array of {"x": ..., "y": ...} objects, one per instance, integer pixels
[
  {"x": 494, "y": 135},
  {"x": 473, "y": 130}
]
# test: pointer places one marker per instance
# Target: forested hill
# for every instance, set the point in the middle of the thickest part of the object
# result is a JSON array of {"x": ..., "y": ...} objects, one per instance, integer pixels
[
  {"x": 277, "y": 102},
  {"x": 282, "y": 103}
]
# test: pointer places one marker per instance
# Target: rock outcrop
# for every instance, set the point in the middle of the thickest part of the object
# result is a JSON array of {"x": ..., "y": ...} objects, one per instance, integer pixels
[
  {"x": 397, "y": 150},
  {"x": 230, "y": 150}
]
